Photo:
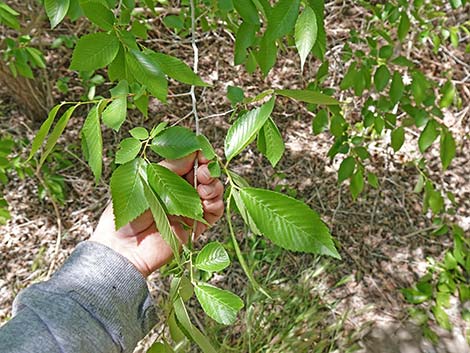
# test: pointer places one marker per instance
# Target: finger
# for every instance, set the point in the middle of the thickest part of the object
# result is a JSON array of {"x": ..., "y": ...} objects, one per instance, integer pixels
[
  {"x": 210, "y": 191},
  {"x": 190, "y": 177},
  {"x": 180, "y": 166},
  {"x": 201, "y": 158},
  {"x": 203, "y": 174},
  {"x": 211, "y": 219},
  {"x": 214, "y": 206}
]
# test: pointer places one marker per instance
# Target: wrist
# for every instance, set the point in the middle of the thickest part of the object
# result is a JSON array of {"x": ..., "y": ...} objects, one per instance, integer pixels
[{"x": 123, "y": 249}]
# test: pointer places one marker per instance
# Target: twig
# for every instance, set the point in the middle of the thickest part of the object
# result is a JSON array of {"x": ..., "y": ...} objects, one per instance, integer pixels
[
  {"x": 217, "y": 115},
  {"x": 59, "y": 224},
  {"x": 193, "y": 93}
]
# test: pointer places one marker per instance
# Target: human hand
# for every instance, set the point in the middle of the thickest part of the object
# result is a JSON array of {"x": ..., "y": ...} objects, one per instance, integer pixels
[{"x": 140, "y": 242}]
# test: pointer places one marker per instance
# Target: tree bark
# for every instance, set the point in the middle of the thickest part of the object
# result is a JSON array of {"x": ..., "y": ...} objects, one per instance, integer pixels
[{"x": 30, "y": 95}]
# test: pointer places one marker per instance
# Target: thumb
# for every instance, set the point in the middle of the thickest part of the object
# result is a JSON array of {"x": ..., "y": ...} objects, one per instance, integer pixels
[{"x": 180, "y": 166}]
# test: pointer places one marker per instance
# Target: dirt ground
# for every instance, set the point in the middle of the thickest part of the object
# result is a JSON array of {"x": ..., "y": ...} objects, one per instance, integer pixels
[{"x": 384, "y": 237}]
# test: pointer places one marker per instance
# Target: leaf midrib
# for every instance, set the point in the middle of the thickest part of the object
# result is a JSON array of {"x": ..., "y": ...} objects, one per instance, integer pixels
[
  {"x": 214, "y": 297},
  {"x": 169, "y": 191},
  {"x": 277, "y": 214},
  {"x": 110, "y": 42}
]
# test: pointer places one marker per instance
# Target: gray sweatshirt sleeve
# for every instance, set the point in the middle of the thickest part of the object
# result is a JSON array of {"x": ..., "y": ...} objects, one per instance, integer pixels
[{"x": 98, "y": 302}]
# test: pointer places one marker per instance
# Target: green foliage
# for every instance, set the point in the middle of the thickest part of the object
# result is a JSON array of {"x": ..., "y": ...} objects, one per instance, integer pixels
[
  {"x": 432, "y": 292},
  {"x": 56, "y": 10},
  {"x": 178, "y": 196},
  {"x": 115, "y": 113},
  {"x": 94, "y": 51},
  {"x": 245, "y": 129},
  {"x": 219, "y": 304},
  {"x": 129, "y": 148},
  {"x": 212, "y": 258},
  {"x": 307, "y": 96},
  {"x": 270, "y": 142},
  {"x": 175, "y": 142},
  {"x": 127, "y": 190},
  {"x": 177, "y": 70},
  {"x": 8, "y": 16},
  {"x": 289, "y": 223},
  {"x": 306, "y": 31},
  {"x": 92, "y": 142}
]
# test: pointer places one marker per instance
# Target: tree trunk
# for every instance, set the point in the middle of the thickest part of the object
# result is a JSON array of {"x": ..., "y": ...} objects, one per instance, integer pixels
[{"x": 30, "y": 95}]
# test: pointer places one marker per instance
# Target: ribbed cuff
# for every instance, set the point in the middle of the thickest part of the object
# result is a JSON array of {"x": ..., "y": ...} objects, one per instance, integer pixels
[{"x": 110, "y": 288}]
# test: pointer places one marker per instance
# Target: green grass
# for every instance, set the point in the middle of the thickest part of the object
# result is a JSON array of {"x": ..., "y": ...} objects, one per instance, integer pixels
[{"x": 298, "y": 318}]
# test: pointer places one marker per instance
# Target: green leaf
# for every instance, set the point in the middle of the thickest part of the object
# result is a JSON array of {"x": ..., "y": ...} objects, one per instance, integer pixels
[
  {"x": 115, "y": 113},
  {"x": 306, "y": 31},
  {"x": 175, "y": 142},
  {"x": 320, "y": 122},
  {"x": 56, "y": 132},
  {"x": 214, "y": 169},
  {"x": 397, "y": 87},
  {"x": 381, "y": 78},
  {"x": 221, "y": 305},
  {"x": 160, "y": 217},
  {"x": 419, "y": 86},
  {"x": 139, "y": 133},
  {"x": 94, "y": 51},
  {"x": 129, "y": 148},
  {"x": 270, "y": 142},
  {"x": 97, "y": 13},
  {"x": 414, "y": 296},
  {"x": 386, "y": 52},
  {"x": 37, "y": 57},
  {"x": 441, "y": 317},
  {"x": 288, "y": 222},
  {"x": 177, "y": 69},
  {"x": 356, "y": 184},
  {"x": 173, "y": 21},
  {"x": 91, "y": 135},
  {"x": 147, "y": 72},
  {"x": 117, "y": 69},
  {"x": 127, "y": 191},
  {"x": 281, "y": 19},
  {"x": 349, "y": 77},
  {"x": 206, "y": 147},
  {"x": 448, "y": 92},
  {"x": 319, "y": 48},
  {"x": 447, "y": 143},
  {"x": 212, "y": 258},
  {"x": 190, "y": 330},
  {"x": 56, "y": 10},
  {"x": 244, "y": 39},
  {"x": 428, "y": 136},
  {"x": 235, "y": 95},
  {"x": 398, "y": 138},
  {"x": 179, "y": 197},
  {"x": 245, "y": 128},
  {"x": 142, "y": 103},
  {"x": 346, "y": 169},
  {"x": 158, "y": 129},
  {"x": 373, "y": 180},
  {"x": 185, "y": 288},
  {"x": 307, "y": 96},
  {"x": 160, "y": 347},
  {"x": 266, "y": 55},
  {"x": 243, "y": 210},
  {"x": 403, "y": 26},
  {"x": 43, "y": 131},
  {"x": 247, "y": 11}
]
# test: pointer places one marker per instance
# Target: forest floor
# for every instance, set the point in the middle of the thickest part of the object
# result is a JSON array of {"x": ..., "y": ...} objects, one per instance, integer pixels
[{"x": 384, "y": 238}]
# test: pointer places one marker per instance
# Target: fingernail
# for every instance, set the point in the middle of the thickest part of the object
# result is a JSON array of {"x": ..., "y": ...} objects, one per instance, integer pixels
[{"x": 206, "y": 189}]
